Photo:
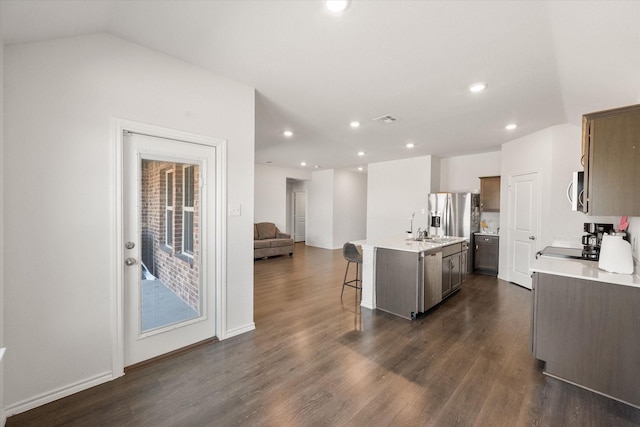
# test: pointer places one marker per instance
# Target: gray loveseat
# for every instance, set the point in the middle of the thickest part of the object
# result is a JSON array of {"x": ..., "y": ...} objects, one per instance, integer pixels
[{"x": 269, "y": 241}]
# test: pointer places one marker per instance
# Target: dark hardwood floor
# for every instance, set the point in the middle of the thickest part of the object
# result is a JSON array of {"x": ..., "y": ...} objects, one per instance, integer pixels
[{"x": 314, "y": 360}]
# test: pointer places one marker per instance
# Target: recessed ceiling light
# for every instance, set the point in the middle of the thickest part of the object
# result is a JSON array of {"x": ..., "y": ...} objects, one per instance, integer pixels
[
  {"x": 511, "y": 126},
  {"x": 287, "y": 133},
  {"x": 410, "y": 145},
  {"x": 354, "y": 124},
  {"x": 360, "y": 168},
  {"x": 303, "y": 163},
  {"x": 337, "y": 5},
  {"x": 478, "y": 87},
  {"x": 361, "y": 153},
  {"x": 317, "y": 167}
]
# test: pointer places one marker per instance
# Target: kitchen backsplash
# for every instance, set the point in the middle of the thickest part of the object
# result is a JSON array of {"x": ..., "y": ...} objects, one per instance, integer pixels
[{"x": 492, "y": 219}]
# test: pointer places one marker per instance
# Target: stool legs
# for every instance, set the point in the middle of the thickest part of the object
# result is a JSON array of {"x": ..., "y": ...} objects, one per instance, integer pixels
[{"x": 355, "y": 283}]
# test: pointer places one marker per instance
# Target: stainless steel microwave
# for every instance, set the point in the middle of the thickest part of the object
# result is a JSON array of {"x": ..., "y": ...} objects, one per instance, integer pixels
[{"x": 575, "y": 191}]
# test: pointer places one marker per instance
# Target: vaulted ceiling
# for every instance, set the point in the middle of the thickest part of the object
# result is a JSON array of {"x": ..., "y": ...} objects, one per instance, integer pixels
[{"x": 315, "y": 71}]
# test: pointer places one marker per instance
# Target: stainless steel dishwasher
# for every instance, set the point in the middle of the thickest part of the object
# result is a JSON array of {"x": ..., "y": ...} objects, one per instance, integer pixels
[{"x": 432, "y": 279}]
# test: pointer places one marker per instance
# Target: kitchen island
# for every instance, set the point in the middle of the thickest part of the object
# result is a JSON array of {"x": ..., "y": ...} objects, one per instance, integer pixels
[
  {"x": 585, "y": 326},
  {"x": 406, "y": 277}
]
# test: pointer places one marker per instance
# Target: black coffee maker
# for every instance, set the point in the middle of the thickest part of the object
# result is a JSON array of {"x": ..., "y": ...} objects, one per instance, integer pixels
[{"x": 593, "y": 239}]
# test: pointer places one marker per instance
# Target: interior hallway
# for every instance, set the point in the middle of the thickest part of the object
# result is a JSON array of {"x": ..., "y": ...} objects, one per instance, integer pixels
[{"x": 314, "y": 360}]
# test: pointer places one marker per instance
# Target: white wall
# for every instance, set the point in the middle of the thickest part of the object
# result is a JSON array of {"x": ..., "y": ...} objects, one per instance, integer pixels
[
  {"x": 634, "y": 231},
  {"x": 554, "y": 152},
  {"x": 59, "y": 176},
  {"x": 395, "y": 190},
  {"x": 531, "y": 153},
  {"x": 565, "y": 159},
  {"x": 336, "y": 208},
  {"x": 462, "y": 174},
  {"x": 2, "y": 413},
  {"x": 271, "y": 193},
  {"x": 320, "y": 209},
  {"x": 350, "y": 207}
]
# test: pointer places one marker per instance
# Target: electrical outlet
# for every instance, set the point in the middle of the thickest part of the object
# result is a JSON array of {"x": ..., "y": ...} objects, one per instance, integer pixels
[{"x": 235, "y": 210}]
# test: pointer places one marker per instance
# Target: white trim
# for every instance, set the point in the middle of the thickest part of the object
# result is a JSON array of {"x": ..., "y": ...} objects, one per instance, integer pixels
[
  {"x": 3, "y": 416},
  {"x": 186, "y": 208},
  {"x": 240, "y": 330},
  {"x": 118, "y": 127},
  {"x": 59, "y": 393},
  {"x": 169, "y": 208},
  {"x": 221, "y": 242}
]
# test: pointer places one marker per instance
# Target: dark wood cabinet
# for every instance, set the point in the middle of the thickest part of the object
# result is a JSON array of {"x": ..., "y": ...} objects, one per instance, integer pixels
[
  {"x": 611, "y": 159},
  {"x": 587, "y": 333},
  {"x": 485, "y": 259},
  {"x": 490, "y": 194}
]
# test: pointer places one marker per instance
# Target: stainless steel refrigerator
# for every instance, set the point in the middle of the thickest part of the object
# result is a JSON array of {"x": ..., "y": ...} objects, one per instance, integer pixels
[{"x": 455, "y": 214}]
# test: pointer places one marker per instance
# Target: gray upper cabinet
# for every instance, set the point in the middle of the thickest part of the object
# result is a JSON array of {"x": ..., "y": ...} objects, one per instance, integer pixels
[
  {"x": 490, "y": 193},
  {"x": 611, "y": 160}
]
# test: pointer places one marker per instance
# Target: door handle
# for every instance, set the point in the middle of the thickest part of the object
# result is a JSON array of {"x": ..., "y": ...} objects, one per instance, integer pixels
[
  {"x": 532, "y": 237},
  {"x": 130, "y": 261}
]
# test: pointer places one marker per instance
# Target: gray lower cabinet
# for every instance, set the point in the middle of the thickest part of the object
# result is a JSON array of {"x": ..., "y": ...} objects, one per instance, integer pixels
[
  {"x": 485, "y": 258},
  {"x": 464, "y": 262},
  {"x": 587, "y": 333},
  {"x": 397, "y": 282},
  {"x": 451, "y": 271}
]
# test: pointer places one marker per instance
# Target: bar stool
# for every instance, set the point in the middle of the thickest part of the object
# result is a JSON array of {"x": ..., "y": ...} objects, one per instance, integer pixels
[{"x": 351, "y": 254}]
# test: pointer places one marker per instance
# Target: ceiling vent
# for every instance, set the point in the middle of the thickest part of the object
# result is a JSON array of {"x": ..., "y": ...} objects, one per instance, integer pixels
[{"x": 385, "y": 119}]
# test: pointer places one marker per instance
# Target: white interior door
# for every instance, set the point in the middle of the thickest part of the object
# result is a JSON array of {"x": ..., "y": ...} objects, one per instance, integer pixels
[
  {"x": 300, "y": 216},
  {"x": 523, "y": 226},
  {"x": 169, "y": 232}
]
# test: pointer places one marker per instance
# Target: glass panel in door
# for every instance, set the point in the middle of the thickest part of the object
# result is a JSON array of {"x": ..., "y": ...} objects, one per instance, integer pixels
[{"x": 171, "y": 290}]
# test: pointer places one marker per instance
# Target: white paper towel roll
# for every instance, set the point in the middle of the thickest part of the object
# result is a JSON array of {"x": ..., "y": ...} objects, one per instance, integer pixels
[{"x": 615, "y": 255}]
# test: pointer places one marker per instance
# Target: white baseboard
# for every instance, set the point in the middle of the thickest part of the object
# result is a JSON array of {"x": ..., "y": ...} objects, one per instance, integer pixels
[
  {"x": 240, "y": 330},
  {"x": 56, "y": 394},
  {"x": 367, "y": 305}
]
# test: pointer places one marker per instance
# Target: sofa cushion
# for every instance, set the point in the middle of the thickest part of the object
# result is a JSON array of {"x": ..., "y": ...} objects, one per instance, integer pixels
[
  {"x": 266, "y": 230},
  {"x": 255, "y": 232},
  {"x": 281, "y": 242},
  {"x": 261, "y": 244}
]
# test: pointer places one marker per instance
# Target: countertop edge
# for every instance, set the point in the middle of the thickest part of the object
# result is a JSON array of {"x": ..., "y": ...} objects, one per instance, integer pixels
[
  {"x": 407, "y": 245},
  {"x": 582, "y": 269}
]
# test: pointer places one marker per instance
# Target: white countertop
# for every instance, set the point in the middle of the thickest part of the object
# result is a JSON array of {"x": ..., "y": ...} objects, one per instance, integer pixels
[
  {"x": 401, "y": 243},
  {"x": 582, "y": 269}
]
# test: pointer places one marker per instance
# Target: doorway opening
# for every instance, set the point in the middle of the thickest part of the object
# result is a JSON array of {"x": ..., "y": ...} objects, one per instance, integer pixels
[
  {"x": 170, "y": 196},
  {"x": 297, "y": 209}
]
